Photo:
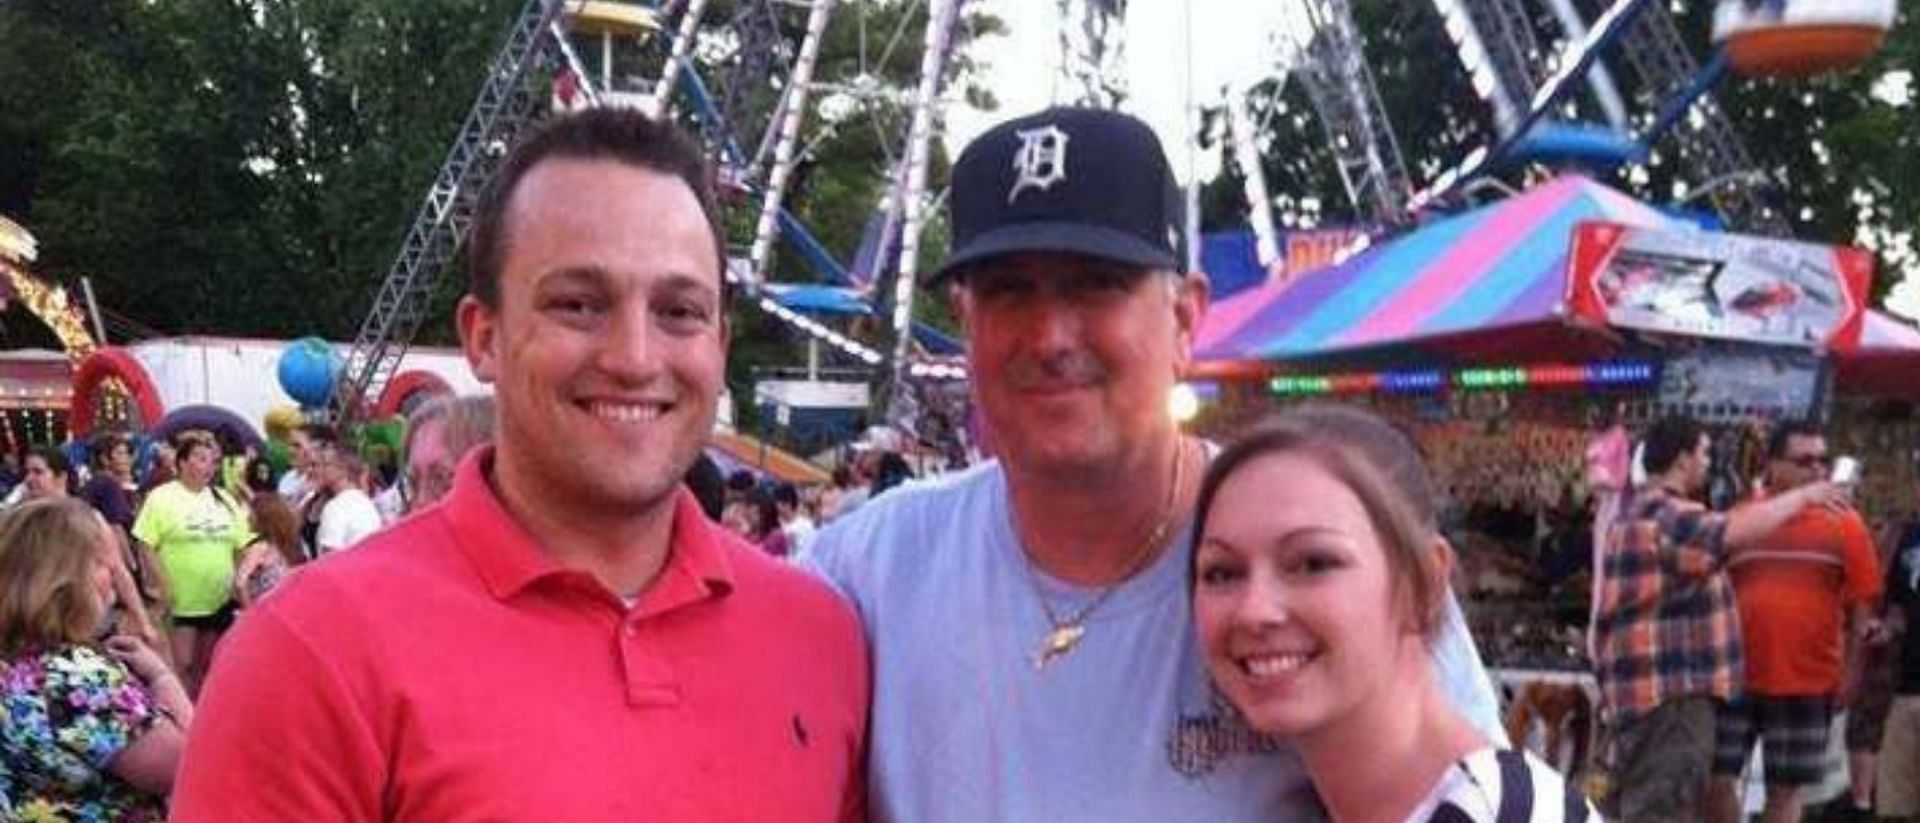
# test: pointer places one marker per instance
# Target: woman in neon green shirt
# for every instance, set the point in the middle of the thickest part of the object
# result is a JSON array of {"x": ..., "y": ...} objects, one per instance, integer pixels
[{"x": 198, "y": 531}]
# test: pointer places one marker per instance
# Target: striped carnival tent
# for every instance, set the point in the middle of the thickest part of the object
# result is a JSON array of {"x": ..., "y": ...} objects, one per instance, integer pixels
[
  {"x": 1485, "y": 283},
  {"x": 1887, "y": 363}
]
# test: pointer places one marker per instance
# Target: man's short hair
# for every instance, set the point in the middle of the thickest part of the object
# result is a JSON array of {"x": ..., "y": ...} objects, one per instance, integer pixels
[
  {"x": 320, "y": 433},
  {"x": 741, "y": 481},
  {"x": 1783, "y": 435},
  {"x": 623, "y": 136},
  {"x": 468, "y": 418},
  {"x": 352, "y": 465},
  {"x": 784, "y": 494},
  {"x": 709, "y": 487},
  {"x": 1668, "y": 440},
  {"x": 102, "y": 447}
]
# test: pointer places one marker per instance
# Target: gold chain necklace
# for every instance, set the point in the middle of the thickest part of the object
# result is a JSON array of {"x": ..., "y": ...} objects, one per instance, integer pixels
[{"x": 1066, "y": 634}]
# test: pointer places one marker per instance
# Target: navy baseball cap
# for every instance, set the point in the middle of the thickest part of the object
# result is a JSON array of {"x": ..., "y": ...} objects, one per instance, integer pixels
[{"x": 1074, "y": 180}]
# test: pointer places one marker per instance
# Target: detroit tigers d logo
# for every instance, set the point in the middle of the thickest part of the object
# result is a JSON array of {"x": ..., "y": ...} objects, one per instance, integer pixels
[{"x": 1041, "y": 160}]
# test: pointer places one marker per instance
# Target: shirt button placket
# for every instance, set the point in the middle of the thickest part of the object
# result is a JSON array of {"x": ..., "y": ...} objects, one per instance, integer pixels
[{"x": 649, "y": 676}]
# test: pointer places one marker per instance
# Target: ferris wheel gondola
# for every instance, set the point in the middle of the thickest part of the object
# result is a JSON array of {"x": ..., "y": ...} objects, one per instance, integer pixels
[{"x": 1796, "y": 38}]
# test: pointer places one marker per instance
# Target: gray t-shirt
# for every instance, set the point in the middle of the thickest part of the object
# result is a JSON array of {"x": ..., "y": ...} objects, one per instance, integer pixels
[{"x": 1124, "y": 728}]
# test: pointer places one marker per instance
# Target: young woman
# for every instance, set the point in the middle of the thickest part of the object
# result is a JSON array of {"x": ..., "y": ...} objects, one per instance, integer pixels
[
  {"x": 278, "y": 526},
  {"x": 111, "y": 491},
  {"x": 94, "y": 727},
  {"x": 1319, "y": 580}
]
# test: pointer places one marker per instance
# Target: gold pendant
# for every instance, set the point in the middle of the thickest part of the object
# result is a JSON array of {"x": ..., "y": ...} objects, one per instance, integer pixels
[{"x": 1057, "y": 643}]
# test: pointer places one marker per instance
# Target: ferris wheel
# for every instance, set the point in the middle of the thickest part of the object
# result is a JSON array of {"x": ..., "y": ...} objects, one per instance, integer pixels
[
  {"x": 753, "y": 77},
  {"x": 1505, "y": 48},
  {"x": 748, "y": 80}
]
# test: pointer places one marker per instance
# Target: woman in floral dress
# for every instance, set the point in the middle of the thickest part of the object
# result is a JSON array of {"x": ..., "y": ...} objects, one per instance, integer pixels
[{"x": 93, "y": 727}]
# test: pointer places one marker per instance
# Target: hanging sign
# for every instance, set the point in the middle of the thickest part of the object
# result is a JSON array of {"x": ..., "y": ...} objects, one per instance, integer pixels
[{"x": 1717, "y": 285}]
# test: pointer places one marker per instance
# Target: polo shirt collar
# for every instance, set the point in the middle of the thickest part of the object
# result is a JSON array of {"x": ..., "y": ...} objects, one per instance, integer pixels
[{"x": 509, "y": 558}]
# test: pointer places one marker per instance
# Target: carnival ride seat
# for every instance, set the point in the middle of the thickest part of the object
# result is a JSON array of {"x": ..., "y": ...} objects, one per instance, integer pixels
[
  {"x": 1587, "y": 145},
  {"x": 617, "y": 19},
  {"x": 1800, "y": 37}
]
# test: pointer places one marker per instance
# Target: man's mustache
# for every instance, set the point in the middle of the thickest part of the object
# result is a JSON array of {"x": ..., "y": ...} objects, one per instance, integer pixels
[{"x": 1073, "y": 368}]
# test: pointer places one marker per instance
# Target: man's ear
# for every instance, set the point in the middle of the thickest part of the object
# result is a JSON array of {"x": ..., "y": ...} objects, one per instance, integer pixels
[
  {"x": 1191, "y": 296},
  {"x": 958, "y": 302},
  {"x": 479, "y": 335}
]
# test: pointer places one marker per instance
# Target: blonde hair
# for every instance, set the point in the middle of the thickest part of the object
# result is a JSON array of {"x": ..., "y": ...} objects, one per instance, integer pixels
[
  {"x": 46, "y": 574},
  {"x": 1382, "y": 468}
]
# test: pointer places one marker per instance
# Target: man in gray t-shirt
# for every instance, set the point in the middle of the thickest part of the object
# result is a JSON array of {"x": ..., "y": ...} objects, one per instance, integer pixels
[{"x": 1033, "y": 653}]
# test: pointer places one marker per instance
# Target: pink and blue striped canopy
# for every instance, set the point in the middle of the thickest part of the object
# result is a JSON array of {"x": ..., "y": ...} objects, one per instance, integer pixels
[{"x": 1498, "y": 266}]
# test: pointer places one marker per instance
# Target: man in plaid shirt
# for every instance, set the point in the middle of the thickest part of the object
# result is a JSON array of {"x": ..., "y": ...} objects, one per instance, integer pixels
[{"x": 1666, "y": 634}]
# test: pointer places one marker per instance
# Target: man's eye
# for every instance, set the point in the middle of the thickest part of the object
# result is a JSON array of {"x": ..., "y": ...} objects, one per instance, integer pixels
[
  {"x": 687, "y": 311},
  {"x": 571, "y": 306}
]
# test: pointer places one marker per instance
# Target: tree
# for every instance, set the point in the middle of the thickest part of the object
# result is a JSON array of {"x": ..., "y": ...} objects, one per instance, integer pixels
[{"x": 235, "y": 166}]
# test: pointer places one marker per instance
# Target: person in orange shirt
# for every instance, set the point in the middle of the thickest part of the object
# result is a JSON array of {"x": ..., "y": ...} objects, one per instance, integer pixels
[{"x": 1805, "y": 594}]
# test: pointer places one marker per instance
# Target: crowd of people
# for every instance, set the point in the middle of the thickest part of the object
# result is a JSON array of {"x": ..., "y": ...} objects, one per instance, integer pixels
[
  {"x": 120, "y": 584},
  {"x": 1112, "y": 620},
  {"x": 1715, "y": 632}
]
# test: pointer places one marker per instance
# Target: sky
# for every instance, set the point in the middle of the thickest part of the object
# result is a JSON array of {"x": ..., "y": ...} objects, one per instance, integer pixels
[{"x": 1023, "y": 66}]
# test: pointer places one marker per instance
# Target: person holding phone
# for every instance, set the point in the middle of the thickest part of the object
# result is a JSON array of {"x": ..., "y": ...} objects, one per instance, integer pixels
[
  {"x": 94, "y": 727},
  {"x": 1805, "y": 592},
  {"x": 1667, "y": 644}
]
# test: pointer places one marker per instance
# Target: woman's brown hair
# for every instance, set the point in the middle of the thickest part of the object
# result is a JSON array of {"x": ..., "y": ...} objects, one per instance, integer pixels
[
  {"x": 1382, "y": 468},
  {"x": 47, "y": 550},
  {"x": 278, "y": 524}
]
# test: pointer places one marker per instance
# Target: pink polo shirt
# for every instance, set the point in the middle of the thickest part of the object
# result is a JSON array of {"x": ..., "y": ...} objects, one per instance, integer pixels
[{"x": 447, "y": 670}]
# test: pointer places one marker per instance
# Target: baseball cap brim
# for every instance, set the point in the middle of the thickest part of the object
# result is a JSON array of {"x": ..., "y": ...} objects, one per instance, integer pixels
[{"x": 1056, "y": 236}]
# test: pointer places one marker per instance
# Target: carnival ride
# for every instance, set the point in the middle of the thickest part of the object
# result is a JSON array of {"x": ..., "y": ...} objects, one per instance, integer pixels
[{"x": 646, "y": 59}]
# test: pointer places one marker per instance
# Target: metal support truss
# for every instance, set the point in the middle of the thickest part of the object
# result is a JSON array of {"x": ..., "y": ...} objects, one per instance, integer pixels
[
  {"x": 1341, "y": 88},
  {"x": 942, "y": 15},
  {"x": 1707, "y": 140},
  {"x": 507, "y": 105},
  {"x": 683, "y": 40},
  {"x": 787, "y": 127}
]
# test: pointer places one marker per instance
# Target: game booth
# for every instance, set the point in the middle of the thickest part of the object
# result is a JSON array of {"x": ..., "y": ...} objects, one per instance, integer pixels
[{"x": 1521, "y": 344}]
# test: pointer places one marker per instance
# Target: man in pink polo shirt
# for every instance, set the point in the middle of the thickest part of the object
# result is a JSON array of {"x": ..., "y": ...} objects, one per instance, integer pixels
[{"x": 566, "y": 637}]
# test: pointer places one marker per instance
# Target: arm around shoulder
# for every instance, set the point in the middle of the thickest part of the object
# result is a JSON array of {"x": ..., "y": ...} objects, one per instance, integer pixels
[
  {"x": 1748, "y": 524},
  {"x": 279, "y": 735}
]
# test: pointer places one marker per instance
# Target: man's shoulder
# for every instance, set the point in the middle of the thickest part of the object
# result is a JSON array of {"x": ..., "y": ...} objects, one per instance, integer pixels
[
  {"x": 904, "y": 534},
  {"x": 1817, "y": 529},
  {"x": 913, "y": 507},
  {"x": 779, "y": 588},
  {"x": 165, "y": 494},
  {"x": 352, "y": 502}
]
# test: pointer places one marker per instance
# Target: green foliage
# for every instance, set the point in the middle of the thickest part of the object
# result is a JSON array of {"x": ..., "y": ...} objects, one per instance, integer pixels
[{"x": 233, "y": 166}]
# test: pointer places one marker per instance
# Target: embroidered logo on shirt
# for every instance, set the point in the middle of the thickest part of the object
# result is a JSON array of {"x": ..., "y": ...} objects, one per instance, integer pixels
[
  {"x": 799, "y": 731},
  {"x": 1200, "y": 742},
  {"x": 1041, "y": 160}
]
